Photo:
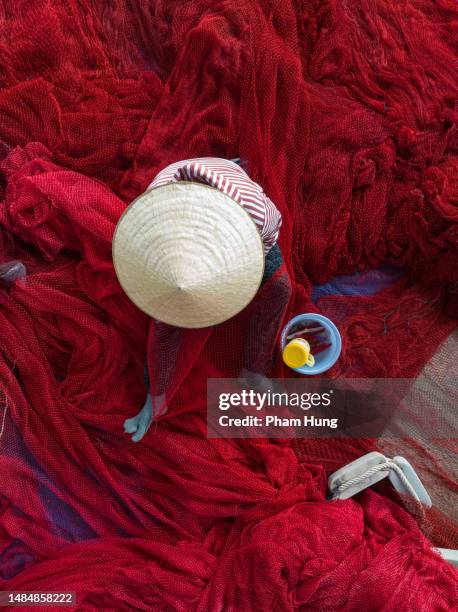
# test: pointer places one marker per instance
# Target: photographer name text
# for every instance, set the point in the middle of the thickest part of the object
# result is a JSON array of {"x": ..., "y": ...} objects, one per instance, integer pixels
[{"x": 276, "y": 421}]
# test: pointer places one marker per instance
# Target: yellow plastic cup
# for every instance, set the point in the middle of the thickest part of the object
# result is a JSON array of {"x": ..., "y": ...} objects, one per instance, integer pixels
[{"x": 296, "y": 354}]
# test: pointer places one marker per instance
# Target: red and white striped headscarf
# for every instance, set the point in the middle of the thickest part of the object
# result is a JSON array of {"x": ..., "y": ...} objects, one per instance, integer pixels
[{"x": 232, "y": 180}]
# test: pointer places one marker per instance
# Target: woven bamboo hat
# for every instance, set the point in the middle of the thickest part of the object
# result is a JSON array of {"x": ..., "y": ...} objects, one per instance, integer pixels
[{"x": 188, "y": 255}]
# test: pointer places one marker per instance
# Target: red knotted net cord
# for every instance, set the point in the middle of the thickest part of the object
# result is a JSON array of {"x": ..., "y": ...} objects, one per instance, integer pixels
[{"x": 346, "y": 113}]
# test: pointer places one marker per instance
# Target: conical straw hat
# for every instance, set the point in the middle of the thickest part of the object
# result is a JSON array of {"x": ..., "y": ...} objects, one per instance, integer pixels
[{"x": 188, "y": 255}]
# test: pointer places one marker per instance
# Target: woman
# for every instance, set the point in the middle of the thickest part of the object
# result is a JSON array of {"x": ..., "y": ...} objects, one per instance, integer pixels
[{"x": 192, "y": 252}]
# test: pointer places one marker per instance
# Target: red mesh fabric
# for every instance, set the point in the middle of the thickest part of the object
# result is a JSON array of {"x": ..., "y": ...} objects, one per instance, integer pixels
[{"x": 346, "y": 114}]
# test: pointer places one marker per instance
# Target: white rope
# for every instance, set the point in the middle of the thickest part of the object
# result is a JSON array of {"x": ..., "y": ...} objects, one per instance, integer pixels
[
  {"x": 4, "y": 417},
  {"x": 388, "y": 465}
]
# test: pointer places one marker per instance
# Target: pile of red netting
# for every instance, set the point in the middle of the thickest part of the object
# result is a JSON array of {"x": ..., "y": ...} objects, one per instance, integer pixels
[{"x": 346, "y": 113}]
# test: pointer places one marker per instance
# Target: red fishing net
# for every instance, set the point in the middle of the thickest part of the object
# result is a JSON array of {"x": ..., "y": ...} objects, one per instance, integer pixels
[{"x": 346, "y": 113}]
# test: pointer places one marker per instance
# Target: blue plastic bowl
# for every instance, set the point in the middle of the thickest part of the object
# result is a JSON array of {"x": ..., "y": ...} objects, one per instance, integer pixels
[{"x": 326, "y": 359}]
